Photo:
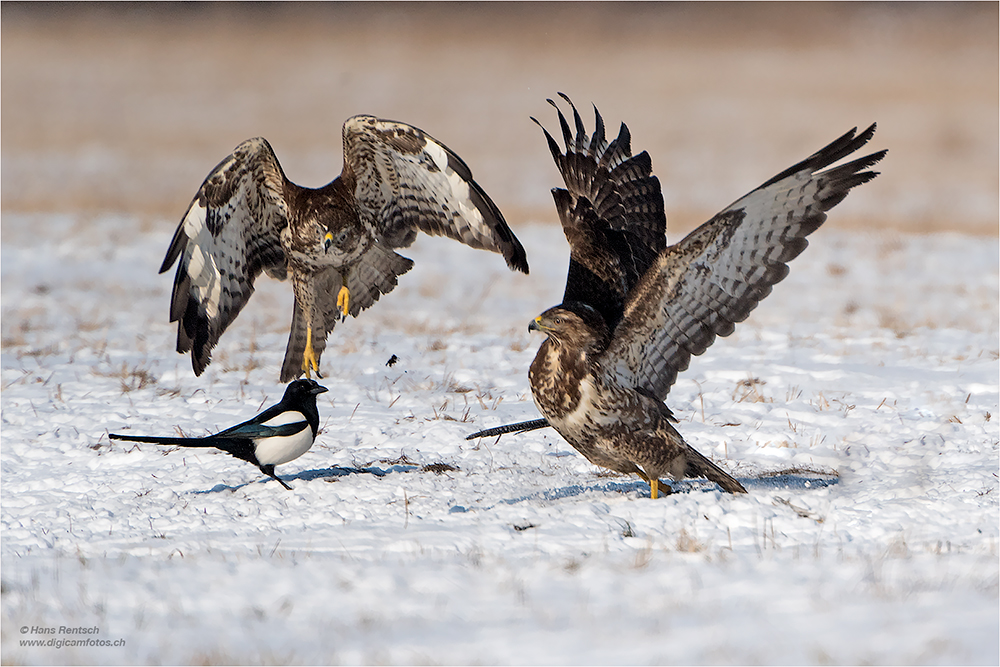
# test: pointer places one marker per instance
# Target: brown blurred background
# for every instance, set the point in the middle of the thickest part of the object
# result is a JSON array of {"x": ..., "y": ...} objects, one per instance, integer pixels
[{"x": 124, "y": 108}]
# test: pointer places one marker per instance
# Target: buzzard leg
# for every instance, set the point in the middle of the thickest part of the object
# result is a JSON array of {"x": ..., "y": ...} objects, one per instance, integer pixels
[
  {"x": 654, "y": 486},
  {"x": 309, "y": 360},
  {"x": 344, "y": 297},
  {"x": 654, "y": 489}
]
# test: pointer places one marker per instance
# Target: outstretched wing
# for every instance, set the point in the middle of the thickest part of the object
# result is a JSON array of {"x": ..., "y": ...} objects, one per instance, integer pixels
[
  {"x": 611, "y": 212},
  {"x": 405, "y": 181},
  {"x": 230, "y": 233},
  {"x": 702, "y": 286}
]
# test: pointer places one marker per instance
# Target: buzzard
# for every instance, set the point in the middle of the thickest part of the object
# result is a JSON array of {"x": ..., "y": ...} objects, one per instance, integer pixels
[
  {"x": 336, "y": 242},
  {"x": 635, "y": 310}
]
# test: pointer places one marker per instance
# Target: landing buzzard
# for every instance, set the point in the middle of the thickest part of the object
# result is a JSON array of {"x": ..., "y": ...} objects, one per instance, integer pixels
[
  {"x": 635, "y": 310},
  {"x": 336, "y": 241}
]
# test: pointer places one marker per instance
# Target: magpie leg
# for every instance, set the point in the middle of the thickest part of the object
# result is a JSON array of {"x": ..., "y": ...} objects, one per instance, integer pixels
[{"x": 269, "y": 471}]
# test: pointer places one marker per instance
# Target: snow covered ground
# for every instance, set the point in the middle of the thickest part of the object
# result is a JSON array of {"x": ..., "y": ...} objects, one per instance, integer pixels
[{"x": 859, "y": 406}]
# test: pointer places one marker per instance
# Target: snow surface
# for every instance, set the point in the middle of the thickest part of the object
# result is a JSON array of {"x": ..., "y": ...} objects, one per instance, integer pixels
[{"x": 859, "y": 406}]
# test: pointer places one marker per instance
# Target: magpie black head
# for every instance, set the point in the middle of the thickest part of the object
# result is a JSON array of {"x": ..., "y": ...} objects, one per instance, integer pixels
[{"x": 302, "y": 390}]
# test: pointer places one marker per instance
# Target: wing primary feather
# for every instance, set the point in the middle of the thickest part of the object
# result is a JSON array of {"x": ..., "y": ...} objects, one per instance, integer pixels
[
  {"x": 563, "y": 125},
  {"x": 177, "y": 244},
  {"x": 553, "y": 146},
  {"x": 838, "y": 148},
  {"x": 581, "y": 132},
  {"x": 618, "y": 150},
  {"x": 597, "y": 141}
]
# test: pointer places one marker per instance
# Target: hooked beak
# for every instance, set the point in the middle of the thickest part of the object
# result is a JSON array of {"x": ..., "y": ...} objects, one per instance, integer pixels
[
  {"x": 536, "y": 324},
  {"x": 327, "y": 241}
]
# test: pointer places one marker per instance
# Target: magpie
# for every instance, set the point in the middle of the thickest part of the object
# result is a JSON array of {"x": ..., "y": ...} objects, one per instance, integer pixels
[{"x": 280, "y": 434}]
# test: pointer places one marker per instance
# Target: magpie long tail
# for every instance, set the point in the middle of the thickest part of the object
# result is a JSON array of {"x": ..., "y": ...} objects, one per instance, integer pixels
[
  {"x": 520, "y": 427},
  {"x": 179, "y": 442}
]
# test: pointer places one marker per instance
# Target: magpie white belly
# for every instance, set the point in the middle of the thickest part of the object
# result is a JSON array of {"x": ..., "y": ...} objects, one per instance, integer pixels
[{"x": 282, "y": 449}]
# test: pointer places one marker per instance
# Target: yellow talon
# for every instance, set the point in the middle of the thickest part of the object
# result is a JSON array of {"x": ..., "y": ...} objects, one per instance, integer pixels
[
  {"x": 344, "y": 300},
  {"x": 309, "y": 360},
  {"x": 654, "y": 488}
]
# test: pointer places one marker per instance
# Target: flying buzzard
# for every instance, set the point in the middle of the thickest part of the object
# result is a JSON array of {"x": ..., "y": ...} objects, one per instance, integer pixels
[
  {"x": 635, "y": 310},
  {"x": 336, "y": 241}
]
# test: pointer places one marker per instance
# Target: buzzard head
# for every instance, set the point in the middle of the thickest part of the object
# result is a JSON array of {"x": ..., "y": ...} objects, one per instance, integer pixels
[
  {"x": 577, "y": 326},
  {"x": 326, "y": 238},
  {"x": 343, "y": 243}
]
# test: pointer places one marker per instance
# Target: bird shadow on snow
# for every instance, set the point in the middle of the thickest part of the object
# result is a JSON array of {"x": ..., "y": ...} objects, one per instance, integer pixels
[
  {"x": 773, "y": 482},
  {"x": 801, "y": 482},
  {"x": 768, "y": 483},
  {"x": 321, "y": 473},
  {"x": 308, "y": 475}
]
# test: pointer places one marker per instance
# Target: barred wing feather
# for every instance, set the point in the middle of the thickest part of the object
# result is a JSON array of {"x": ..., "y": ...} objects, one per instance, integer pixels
[
  {"x": 407, "y": 181},
  {"x": 611, "y": 213},
  {"x": 702, "y": 286},
  {"x": 229, "y": 234}
]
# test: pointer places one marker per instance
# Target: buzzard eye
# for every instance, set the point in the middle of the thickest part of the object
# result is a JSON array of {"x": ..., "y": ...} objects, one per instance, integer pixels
[
  {"x": 329, "y": 239},
  {"x": 558, "y": 320}
]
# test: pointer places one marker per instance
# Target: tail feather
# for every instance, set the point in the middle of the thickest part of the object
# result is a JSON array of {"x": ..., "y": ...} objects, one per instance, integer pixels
[
  {"x": 291, "y": 367},
  {"x": 700, "y": 466},
  {"x": 241, "y": 448},
  {"x": 178, "y": 442}
]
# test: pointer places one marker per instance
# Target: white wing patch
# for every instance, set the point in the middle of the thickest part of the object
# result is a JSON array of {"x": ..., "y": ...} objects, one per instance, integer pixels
[
  {"x": 289, "y": 417},
  {"x": 206, "y": 279},
  {"x": 459, "y": 188}
]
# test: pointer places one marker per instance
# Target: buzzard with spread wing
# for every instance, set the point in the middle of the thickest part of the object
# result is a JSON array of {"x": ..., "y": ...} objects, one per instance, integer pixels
[
  {"x": 336, "y": 241},
  {"x": 635, "y": 310}
]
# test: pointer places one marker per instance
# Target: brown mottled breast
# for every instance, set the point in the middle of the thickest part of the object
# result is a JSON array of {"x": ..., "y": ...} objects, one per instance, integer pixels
[{"x": 555, "y": 377}]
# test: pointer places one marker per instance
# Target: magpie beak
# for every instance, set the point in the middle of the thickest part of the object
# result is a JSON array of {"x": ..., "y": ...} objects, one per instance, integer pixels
[{"x": 280, "y": 434}]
